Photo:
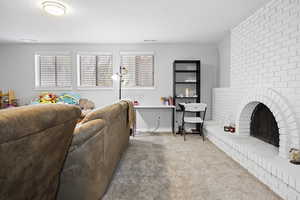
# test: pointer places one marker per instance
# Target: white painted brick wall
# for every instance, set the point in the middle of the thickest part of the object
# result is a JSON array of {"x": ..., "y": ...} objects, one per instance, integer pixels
[
  {"x": 225, "y": 103},
  {"x": 265, "y": 53},
  {"x": 265, "y": 49}
]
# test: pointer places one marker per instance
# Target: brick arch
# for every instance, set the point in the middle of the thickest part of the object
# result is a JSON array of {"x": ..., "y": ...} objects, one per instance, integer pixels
[{"x": 285, "y": 118}]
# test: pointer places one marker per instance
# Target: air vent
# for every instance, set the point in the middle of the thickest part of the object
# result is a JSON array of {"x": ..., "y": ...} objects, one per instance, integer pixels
[{"x": 150, "y": 40}]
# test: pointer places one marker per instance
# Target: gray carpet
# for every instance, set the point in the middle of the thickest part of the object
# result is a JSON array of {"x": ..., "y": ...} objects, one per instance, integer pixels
[{"x": 161, "y": 166}]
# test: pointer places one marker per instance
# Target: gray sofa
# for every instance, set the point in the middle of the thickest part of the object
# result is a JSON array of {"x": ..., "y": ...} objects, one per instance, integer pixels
[{"x": 97, "y": 146}]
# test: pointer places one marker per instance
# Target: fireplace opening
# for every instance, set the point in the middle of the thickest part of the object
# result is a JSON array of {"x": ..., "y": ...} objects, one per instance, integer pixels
[{"x": 264, "y": 126}]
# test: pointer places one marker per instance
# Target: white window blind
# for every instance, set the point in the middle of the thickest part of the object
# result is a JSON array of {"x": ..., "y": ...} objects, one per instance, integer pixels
[
  {"x": 53, "y": 71},
  {"x": 95, "y": 70},
  {"x": 140, "y": 70}
]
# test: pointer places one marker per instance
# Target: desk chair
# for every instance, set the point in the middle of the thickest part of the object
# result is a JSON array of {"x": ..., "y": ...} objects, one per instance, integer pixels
[{"x": 199, "y": 109}]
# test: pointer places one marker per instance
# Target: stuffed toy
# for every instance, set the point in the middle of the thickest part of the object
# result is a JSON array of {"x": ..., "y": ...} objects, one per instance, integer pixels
[
  {"x": 69, "y": 98},
  {"x": 46, "y": 98},
  {"x": 86, "y": 104}
]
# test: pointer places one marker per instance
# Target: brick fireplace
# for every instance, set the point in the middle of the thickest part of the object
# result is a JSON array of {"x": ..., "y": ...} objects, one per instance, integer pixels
[
  {"x": 264, "y": 70},
  {"x": 284, "y": 116},
  {"x": 267, "y": 162}
]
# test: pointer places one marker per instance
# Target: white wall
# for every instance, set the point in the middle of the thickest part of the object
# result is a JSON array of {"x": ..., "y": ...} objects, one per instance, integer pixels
[
  {"x": 224, "y": 55},
  {"x": 265, "y": 53},
  {"x": 266, "y": 47},
  {"x": 265, "y": 56},
  {"x": 17, "y": 72}
]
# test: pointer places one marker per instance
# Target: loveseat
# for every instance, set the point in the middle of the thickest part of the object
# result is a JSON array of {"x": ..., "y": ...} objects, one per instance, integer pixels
[
  {"x": 34, "y": 141},
  {"x": 98, "y": 143}
]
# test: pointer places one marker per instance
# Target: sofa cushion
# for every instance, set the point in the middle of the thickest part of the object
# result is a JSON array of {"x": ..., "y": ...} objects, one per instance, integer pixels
[
  {"x": 84, "y": 131},
  {"x": 107, "y": 113}
]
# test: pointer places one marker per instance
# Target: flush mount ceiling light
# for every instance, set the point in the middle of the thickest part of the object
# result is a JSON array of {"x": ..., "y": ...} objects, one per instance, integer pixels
[{"x": 54, "y": 8}]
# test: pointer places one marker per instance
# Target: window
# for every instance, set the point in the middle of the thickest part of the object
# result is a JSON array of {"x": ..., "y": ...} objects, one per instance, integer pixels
[
  {"x": 140, "y": 69},
  {"x": 53, "y": 71},
  {"x": 95, "y": 70}
]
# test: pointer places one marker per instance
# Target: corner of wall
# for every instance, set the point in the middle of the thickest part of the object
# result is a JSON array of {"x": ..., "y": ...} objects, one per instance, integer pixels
[{"x": 224, "y": 49}]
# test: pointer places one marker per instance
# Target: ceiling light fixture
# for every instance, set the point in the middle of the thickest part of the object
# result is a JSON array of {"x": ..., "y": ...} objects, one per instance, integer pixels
[{"x": 54, "y": 8}]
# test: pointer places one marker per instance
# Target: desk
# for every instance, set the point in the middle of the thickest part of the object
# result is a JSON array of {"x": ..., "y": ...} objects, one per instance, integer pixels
[{"x": 157, "y": 107}]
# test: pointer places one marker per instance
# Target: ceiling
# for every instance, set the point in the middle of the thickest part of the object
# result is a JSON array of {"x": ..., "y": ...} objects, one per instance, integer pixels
[{"x": 121, "y": 21}]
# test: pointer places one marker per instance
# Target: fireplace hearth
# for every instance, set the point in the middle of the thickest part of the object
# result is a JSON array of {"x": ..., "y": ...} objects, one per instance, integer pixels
[
  {"x": 266, "y": 130},
  {"x": 264, "y": 126}
]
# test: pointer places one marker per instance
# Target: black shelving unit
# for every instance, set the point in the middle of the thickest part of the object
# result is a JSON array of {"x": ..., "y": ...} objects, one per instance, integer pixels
[{"x": 186, "y": 74}]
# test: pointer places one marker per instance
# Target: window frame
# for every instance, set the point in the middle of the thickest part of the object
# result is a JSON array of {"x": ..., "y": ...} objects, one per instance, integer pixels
[
  {"x": 87, "y": 53},
  {"x": 140, "y": 53},
  {"x": 37, "y": 70}
]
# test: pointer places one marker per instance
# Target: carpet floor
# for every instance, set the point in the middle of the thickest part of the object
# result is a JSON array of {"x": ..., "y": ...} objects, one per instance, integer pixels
[{"x": 164, "y": 167}]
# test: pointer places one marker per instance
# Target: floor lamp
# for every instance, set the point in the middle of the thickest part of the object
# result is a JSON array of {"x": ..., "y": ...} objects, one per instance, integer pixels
[{"x": 119, "y": 77}]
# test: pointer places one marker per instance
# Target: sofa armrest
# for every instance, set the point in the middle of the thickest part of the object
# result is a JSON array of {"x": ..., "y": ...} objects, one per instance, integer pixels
[
  {"x": 34, "y": 141},
  {"x": 84, "y": 131}
]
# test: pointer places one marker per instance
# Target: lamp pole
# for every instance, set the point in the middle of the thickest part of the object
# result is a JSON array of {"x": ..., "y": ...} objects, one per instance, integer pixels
[{"x": 120, "y": 83}]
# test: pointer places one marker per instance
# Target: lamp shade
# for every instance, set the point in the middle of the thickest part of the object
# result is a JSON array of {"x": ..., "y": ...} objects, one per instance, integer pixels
[{"x": 115, "y": 77}]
